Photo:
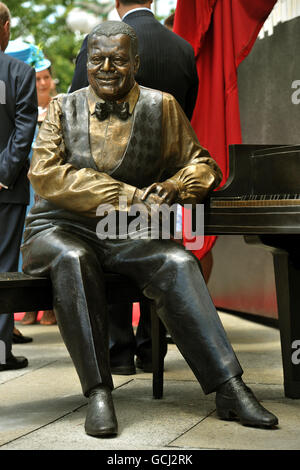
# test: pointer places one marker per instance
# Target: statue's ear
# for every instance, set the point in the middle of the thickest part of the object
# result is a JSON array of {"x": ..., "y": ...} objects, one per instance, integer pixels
[{"x": 136, "y": 64}]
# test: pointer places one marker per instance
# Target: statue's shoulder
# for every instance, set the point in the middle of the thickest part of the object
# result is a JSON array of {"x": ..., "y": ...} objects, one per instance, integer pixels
[
  {"x": 77, "y": 95},
  {"x": 150, "y": 96},
  {"x": 71, "y": 101},
  {"x": 80, "y": 92},
  {"x": 149, "y": 91},
  {"x": 57, "y": 98}
]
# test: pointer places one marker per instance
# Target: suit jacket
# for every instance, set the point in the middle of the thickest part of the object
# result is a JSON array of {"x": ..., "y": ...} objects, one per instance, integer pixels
[
  {"x": 18, "y": 116},
  {"x": 167, "y": 61}
]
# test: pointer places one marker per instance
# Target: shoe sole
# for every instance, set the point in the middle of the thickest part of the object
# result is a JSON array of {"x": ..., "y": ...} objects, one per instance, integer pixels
[
  {"x": 145, "y": 368},
  {"x": 230, "y": 415},
  {"x": 123, "y": 371},
  {"x": 103, "y": 433},
  {"x": 21, "y": 340},
  {"x": 4, "y": 368}
]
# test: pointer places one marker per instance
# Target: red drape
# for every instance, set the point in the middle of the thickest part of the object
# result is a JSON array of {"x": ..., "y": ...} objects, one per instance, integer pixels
[{"x": 222, "y": 33}]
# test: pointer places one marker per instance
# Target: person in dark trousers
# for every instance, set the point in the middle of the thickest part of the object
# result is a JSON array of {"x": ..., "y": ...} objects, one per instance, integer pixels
[
  {"x": 18, "y": 115},
  {"x": 167, "y": 64}
]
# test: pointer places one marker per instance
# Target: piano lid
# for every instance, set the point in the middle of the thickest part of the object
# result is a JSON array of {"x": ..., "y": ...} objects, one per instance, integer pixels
[
  {"x": 276, "y": 171},
  {"x": 261, "y": 169},
  {"x": 261, "y": 195}
]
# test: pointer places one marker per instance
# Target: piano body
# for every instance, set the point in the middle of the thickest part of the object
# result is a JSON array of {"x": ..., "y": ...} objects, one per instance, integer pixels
[
  {"x": 261, "y": 201},
  {"x": 261, "y": 195}
]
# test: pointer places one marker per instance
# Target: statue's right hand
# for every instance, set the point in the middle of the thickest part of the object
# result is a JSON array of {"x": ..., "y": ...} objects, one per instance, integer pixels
[
  {"x": 166, "y": 191},
  {"x": 145, "y": 196}
]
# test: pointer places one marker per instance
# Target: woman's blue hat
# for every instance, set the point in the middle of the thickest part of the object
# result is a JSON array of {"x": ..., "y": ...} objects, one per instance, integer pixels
[{"x": 28, "y": 53}]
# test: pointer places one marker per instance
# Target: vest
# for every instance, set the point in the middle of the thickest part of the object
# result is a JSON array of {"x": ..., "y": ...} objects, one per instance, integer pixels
[{"x": 140, "y": 165}]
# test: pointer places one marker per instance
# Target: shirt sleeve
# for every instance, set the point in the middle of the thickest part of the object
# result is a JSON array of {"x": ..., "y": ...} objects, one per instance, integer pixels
[
  {"x": 186, "y": 162},
  {"x": 79, "y": 190}
]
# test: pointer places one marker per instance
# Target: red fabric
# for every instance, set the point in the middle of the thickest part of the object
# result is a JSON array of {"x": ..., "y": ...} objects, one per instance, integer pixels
[
  {"x": 19, "y": 316},
  {"x": 135, "y": 314},
  {"x": 222, "y": 33}
]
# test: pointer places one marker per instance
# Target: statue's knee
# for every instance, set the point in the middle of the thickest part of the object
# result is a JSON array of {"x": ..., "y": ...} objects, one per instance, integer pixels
[
  {"x": 75, "y": 255},
  {"x": 176, "y": 264},
  {"x": 180, "y": 260}
]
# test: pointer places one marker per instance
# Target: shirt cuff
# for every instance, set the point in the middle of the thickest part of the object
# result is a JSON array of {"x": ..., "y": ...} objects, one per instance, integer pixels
[{"x": 3, "y": 185}]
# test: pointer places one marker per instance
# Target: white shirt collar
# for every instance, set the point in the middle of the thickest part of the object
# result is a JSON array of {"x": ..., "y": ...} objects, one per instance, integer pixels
[{"x": 136, "y": 9}]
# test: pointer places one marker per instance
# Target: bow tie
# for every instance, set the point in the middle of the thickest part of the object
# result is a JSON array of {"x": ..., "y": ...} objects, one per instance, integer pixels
[{"x": 103, "y": 110}]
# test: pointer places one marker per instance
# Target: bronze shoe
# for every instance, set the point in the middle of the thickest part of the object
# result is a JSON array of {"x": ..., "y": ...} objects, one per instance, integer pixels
[
  {"x": 101, "y": 419},
  {"x": 234, "y": 400}
]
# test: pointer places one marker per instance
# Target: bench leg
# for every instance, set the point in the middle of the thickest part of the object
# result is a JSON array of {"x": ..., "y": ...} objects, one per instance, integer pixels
[{"x": 158, "y": 347}]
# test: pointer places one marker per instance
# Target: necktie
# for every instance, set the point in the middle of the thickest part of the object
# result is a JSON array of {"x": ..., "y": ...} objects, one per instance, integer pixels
[{"x": 103, "y": 110}]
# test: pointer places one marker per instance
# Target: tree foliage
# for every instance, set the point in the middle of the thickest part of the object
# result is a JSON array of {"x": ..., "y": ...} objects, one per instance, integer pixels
[{"x": 43, "y": 22}]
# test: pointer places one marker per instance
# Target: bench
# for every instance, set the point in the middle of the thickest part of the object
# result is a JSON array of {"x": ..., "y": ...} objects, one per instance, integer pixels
[{"x": 22, "y": 293}]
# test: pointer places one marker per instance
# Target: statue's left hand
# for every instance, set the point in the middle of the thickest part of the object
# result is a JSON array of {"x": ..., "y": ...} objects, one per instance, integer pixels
[{"x": 167, "y": 192}]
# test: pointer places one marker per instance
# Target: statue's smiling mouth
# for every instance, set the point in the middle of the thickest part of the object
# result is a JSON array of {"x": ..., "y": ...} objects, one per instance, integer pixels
[{"x": 107, "y": 78}]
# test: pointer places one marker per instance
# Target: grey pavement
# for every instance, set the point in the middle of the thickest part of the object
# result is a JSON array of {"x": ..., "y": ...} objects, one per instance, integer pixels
[{"x": 42, "y": 407}]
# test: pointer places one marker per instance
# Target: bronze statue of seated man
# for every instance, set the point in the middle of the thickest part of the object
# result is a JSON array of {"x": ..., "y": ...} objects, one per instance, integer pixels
[{"x": 101, "y": 145}]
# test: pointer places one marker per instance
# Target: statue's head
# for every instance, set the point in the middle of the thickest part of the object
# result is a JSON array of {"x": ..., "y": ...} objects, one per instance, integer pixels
[{"x": 112, "y": 60}]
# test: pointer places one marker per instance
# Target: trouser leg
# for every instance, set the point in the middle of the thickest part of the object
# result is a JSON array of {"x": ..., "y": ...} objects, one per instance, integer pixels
[
  {"x": 12, "y": 218},
  {"x": 171, "y": 277},
  {"x": 123, "y": 344},
  {"x": 79, "y": 301},
  {"x": 144, "y": 335},
  {"x": 6, "y": 332},
  {"x": 121, "y": 336},
  {"x": 185, "y": 307}
]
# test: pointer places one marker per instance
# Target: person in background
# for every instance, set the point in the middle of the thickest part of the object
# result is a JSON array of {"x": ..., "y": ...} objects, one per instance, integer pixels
[
  {"x": 45, "y": 87},
  {"x": 169, "y": 22},
  {"x": 18, "y": 116},
  {"x": 167, "y": 63},
  {"x": 33, "y": 56}
]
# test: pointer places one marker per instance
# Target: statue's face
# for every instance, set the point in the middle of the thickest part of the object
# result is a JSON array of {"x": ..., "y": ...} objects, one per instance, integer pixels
[{"x": 111, "y": 66}]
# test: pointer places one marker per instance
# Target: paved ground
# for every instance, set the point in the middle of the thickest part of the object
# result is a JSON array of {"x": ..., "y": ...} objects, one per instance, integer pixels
[{"x": 42, "y": 406}]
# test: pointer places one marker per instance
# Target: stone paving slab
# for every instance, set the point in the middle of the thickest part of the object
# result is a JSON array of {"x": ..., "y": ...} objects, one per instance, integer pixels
[
  {"x": 45, "y": 391},
  {"x": 144, "y": 423},
  {"x": 41, "y": 407},
  {"x": 213, "y": 433}
]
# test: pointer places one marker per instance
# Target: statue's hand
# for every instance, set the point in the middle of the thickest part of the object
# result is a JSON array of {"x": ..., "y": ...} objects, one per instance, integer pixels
[
  {"x": 151, "y": 202},
  {"x": 166, "y": 192}
]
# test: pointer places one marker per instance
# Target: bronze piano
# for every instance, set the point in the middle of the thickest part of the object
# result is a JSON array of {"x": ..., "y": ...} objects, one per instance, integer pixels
[{"x": 261, "y": 200}]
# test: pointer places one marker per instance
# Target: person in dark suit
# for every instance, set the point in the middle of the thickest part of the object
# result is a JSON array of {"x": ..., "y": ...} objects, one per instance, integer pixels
[
  {"x": 18, "y": 115},
  {"x": 167, "y": 60},
  {"x": 167, "y": 63}
]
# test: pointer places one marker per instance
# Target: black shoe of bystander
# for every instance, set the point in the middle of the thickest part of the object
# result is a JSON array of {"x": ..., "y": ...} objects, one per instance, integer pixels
[{"x": 14, "y": 362}]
